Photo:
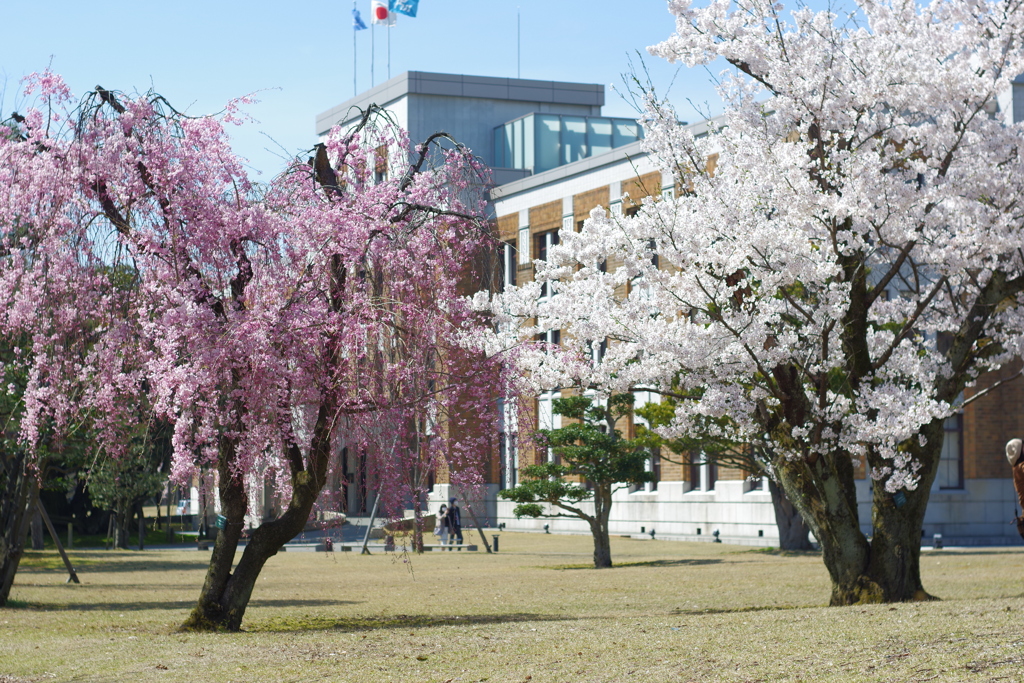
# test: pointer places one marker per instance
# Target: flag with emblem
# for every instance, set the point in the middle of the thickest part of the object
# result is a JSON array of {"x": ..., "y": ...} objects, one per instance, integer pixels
[{"x": 380, "y": 12}]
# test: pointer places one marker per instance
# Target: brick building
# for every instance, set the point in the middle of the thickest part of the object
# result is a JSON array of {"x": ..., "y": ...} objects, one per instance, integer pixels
[{"x": 554, "y": 158}]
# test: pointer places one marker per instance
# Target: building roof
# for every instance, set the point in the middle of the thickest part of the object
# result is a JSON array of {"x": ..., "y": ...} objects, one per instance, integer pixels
[{"x": 458, "y": 85}]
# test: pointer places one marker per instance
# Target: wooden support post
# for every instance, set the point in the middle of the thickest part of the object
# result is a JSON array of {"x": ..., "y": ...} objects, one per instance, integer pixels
[
  {"x": 72, "y": 576},
  {"x": 373, "y": 516},
  {"x": 476, "y": 521}
]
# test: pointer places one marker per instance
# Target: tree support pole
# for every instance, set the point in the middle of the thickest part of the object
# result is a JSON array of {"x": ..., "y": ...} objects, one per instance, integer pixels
[
  {"x": 72, "y": 576},
  {"x": 476, "y": 522},
  {"x": 369, "y": 527}
]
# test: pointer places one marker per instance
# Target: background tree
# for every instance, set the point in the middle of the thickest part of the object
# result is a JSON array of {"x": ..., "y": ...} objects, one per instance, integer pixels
[
  {"x": 50, "y": 295},
  {"x": 591, "y": 449},
  {"x": 122, "y": 484},
  {"x": 268, "y": 322},
  {"x": 846, "y": 267}
]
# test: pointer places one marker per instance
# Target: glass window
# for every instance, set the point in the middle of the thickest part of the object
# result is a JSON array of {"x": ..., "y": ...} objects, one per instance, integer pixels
[
  {"x": 951, "y": 461},
  {"x": 574, "y": 138},
  {"x": 547, "y": 139},
  {"x": 508, "y": 265},
  {"x": 599, "y": 136},
  {"x": 625, "y": 132},
  {"x": 527, "y": 143},
  {"x": 517, "y": 144}
]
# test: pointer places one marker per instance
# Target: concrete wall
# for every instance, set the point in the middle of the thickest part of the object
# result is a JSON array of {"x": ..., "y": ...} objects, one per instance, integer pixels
[{"x": 980, "y": 514}]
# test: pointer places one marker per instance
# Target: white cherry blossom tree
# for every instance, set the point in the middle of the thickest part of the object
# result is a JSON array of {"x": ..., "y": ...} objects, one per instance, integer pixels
[{"x": 852, "y": 263}]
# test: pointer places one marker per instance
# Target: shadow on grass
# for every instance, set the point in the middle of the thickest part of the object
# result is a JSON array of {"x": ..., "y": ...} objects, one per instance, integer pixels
[
  {"x": 167, "y": 605},
  {"x": 398, "y": 621},
  {"x": 108, "y": 561},
  {"x": 734, "y": 610},
  {"x": 620, "y": 565},
  {"x": 87, "y": 566},
  {"x": 776, "y": 552}
]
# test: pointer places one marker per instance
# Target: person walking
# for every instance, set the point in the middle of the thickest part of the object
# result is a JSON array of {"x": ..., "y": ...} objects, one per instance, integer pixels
[
  {"x": 454, "y": 522},
  {"x": 441, "y": 524},
  {"x": 1016, "y": 459}
]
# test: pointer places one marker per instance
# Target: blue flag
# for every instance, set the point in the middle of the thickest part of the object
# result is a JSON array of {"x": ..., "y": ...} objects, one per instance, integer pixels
[
  {"x": 406, "y": 7},
  {"x": 357, "y": 21}
]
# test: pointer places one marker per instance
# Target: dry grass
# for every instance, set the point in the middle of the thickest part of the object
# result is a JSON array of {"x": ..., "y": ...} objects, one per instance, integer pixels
[{"x": 668, "y": 612}]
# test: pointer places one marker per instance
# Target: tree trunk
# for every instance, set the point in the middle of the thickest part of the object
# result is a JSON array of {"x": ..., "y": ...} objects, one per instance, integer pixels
[
  {"x": 792, "y": 528},
  {"x": 225, "y": 594},
  {"x": 417, "y": 527},
  {"x": 18, "y": 493},
  {"x": 36, "y": 527},
  {"x": 599, "y": 527},
  {"x": 824, "y": 493},
  {"x": 886, "y": 569},
  {"x": 896, "y": 523},
  {"x": 123, "y": 528}
]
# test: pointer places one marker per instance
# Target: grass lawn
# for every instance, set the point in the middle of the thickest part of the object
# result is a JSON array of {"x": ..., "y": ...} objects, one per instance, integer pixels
[{"x": 534, "y": 612}]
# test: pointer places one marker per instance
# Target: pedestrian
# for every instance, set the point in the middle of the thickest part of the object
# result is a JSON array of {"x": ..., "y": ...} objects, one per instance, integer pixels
[
  {"x": 454, "y": 522},
  {"x": 1016, "y": 459},
  {"x": 441, "y": 524}
]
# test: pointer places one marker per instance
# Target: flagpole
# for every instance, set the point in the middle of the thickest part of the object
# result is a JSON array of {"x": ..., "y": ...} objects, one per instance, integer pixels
[
  {"x": 355, "y": 53},
  {"x": 373, "y": 53},
  {"x": 519, "y": 47},
  {"x": 389, "y": 52}
]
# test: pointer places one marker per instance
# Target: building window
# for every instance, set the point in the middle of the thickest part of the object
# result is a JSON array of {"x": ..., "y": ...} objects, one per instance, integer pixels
[
  {"x": 654, "y": 466},
  {"x": 703, "y": 474},
  {"x": 508, "y": 265},
  {"x": 695, "y": 472},
  {"x": 507, "y": 447},
  {"x": 546, "y": 417},
  {"x": 380, "y": 165},
  {"x": 951, "y": 460},
  {"x": 509, "y": 460},
  {"x": 542, "y": 243},
  {"x": 652, "y": 246},
  {"x": 551, "y": 338},
  {"x": 524, "y": 246}
]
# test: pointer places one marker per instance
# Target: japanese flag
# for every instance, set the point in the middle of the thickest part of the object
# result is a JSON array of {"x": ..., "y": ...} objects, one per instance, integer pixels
[{"x": 380, "y": 13}]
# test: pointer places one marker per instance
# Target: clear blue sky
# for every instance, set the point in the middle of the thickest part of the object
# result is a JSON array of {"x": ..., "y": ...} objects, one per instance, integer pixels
[{"x": 299, "y": 55}]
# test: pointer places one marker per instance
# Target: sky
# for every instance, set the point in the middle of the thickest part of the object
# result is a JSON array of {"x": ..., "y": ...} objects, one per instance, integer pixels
[{"x": 297, "y": 57}]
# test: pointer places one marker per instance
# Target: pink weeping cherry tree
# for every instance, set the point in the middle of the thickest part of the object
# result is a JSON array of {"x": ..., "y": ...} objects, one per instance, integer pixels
[{"x": 269, "y": 323}]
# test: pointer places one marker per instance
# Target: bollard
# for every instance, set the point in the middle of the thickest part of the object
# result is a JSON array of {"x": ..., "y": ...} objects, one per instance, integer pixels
[
  {"x": 70, "y": 527},
  {"x": 495, "y": 537}
]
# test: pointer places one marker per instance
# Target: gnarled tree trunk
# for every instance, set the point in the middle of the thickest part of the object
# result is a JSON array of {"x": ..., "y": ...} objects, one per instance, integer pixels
[
  {"x": 18, "y": 495},
  {"x": 225, "y": 594},
  {"x": 886, "y": 568}
]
